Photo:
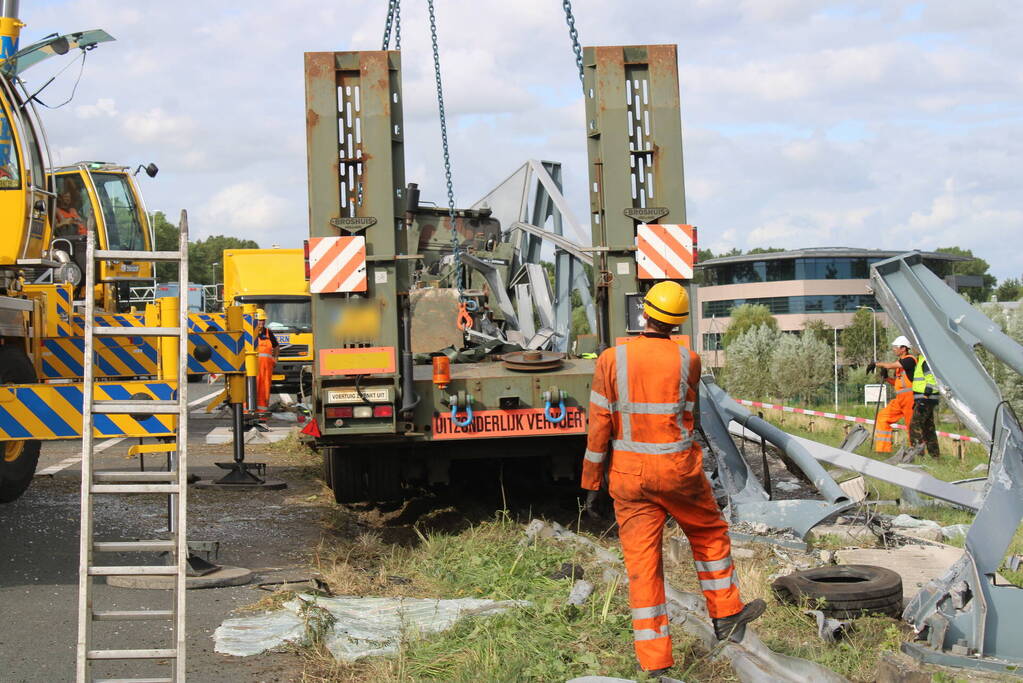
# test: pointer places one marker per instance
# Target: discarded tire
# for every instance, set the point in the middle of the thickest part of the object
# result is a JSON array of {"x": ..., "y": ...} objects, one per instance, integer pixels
[{"x": 844, "y": 591}]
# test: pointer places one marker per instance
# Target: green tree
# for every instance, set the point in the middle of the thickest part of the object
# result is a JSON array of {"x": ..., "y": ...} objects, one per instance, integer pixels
[
  {"x": 1009, "y": 290},
  {"x": 1009, "y": 382},
  {"x": 747, "y": 370},
  {"x": 820, "y": 330},
  {"x": 167, "y": 235},
  {"x": 764, "y": 250},
  {"x": 202, "y": 254},
  {"x": 801, "y": 367},
  {"x": 857, "y": 340},
  {"x": 975, "y": 266},
  {"x": 745, "y": 317}
]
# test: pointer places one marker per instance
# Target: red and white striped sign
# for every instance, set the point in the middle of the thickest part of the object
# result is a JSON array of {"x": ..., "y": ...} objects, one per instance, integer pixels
[
  {"x": 664, "y": 252},
  {"x": 337, "y": 264}
]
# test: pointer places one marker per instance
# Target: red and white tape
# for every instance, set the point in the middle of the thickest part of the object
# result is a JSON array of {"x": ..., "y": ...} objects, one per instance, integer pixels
[{"x": 847, "y": 418}]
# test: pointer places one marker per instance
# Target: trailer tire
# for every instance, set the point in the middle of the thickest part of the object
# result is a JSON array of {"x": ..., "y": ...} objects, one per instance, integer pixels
[
  {"x": 383, "y": 477},
  {"x": 845, "y": 591},
  {"x": 346, "y": 475},
  {"x": 18, "y": 459},
  {"x": 358, "y": 476}
]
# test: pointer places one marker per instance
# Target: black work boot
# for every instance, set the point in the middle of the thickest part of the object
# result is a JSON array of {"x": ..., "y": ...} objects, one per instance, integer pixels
[{"x": 734, "y": 627}]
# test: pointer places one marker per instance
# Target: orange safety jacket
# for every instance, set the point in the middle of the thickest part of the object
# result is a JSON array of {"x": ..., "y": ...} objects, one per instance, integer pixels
[
  {"x": 901, "y": 382},
  {"x": 72, "y": 217},
  {"x": 641, "y": 413}
]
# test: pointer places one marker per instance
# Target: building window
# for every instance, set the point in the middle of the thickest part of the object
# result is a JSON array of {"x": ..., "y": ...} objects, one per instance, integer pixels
[
  {"x": 712, "y": 341},
  {"x": 780, "y": 270},
  {"x": 780, "y": 305}
]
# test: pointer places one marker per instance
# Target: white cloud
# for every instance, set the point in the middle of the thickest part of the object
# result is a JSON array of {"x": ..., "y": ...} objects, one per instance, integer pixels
[
  {"x": 892, "y": 123},
  {"x": 247, "y": 209},
  {"x": 157, "y": 125},
  {"x": 104, "y": 107}
]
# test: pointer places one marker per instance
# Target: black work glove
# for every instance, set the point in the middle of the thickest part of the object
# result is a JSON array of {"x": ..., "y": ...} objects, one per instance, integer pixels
[
  {"x": 871, "y": 366},
  {"x": 590, "y": 506}
]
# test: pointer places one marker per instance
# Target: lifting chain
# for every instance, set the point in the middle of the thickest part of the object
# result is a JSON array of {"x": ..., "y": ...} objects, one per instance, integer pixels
[
  {"x": 574, "y": 35},
  {"x": 393, "y": 19},
  {"x": 455, "y": 245}
]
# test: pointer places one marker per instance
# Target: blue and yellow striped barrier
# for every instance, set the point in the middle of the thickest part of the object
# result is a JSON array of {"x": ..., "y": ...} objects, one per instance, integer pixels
[
  {"x": 63, "y": 357},
  {"x": 227, "y": 352},
  {"x": 54, "y": 411}
]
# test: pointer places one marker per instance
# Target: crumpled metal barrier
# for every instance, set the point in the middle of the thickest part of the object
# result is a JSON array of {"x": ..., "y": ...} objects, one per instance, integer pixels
[
  {"x": 966, "y": 619},
  {"x": 748, "y": 499},
  {"x": 363, "y": 627},
  {"x": 752, "y": 661}
]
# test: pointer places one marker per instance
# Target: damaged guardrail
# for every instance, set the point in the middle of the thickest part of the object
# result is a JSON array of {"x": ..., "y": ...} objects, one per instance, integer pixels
[
  {"x": 966, "y": 618},
  {"x": 749, "y": 501}
]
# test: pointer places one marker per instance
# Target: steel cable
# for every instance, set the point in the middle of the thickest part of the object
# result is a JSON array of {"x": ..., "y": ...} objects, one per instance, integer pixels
[{"x": 455, "y": 245}]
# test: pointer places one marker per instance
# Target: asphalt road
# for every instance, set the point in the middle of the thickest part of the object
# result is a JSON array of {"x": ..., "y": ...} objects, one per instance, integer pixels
[{"x": 267, "y": 531}]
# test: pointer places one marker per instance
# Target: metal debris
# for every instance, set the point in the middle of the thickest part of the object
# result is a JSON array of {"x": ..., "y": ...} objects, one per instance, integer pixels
[{"x": 829, "y": 630}]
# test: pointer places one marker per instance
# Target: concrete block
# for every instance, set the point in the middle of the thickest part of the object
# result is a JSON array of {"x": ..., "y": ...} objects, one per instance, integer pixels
[
  {"x": 916, "y": 564},
  {"x": 900, "y": 669}
]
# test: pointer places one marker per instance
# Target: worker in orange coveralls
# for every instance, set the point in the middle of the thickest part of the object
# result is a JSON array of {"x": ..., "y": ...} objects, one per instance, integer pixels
[
  {"x": 268, "y": 350},
  {"x": 900, "y": 407},
  {"x": 641, "y": 408}
]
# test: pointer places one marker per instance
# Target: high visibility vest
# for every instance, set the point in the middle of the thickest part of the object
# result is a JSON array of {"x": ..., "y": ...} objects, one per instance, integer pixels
[{"x": 924, "y": 382}]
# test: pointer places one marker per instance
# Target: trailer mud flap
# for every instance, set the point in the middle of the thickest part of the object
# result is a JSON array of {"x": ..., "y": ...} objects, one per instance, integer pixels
[{"x": 508, "y": 423}]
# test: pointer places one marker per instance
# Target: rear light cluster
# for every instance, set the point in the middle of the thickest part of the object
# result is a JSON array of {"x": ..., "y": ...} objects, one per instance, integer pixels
[
  {"x": 380, "y": 410},
  {"x": 305, "y": 257}
]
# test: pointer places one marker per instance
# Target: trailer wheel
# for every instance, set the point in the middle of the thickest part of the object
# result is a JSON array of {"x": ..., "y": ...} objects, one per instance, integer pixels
[
  {"x": 18, "y": 459},
  {"x": 383, "y": 477},
  {"x": 347, "y": 478},
  {"x": 357, "y": 476}
]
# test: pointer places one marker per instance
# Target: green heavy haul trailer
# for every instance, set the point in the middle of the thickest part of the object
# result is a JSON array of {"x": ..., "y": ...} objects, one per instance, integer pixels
[{"x": 395, "y": 283}]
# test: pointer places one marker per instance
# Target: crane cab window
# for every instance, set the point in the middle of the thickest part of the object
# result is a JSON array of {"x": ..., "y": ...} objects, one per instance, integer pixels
[
  {"x": 73, "y": 216},
  {"x": 10, "y": 175},
  {"x": 120, "y": 212}
]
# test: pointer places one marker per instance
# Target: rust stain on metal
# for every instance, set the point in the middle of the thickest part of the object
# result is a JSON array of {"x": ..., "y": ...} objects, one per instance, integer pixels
[{"x": 312, "y": 119}]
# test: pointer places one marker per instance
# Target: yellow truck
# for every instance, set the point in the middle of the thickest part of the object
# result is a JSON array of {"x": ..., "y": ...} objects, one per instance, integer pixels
[{"x": 274, "y": 279}]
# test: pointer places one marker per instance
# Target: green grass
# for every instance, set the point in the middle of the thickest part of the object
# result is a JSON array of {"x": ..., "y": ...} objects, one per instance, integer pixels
[{"x": 545, "y": 641}]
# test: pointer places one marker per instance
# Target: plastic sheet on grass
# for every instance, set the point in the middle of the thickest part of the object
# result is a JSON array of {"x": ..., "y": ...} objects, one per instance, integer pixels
[{"x": 361, "y": 627}]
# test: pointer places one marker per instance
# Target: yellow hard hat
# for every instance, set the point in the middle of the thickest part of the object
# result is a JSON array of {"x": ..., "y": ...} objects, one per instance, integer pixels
[
  {"x": 668, "y": 302},
  {"x": 260, "y": 314}
]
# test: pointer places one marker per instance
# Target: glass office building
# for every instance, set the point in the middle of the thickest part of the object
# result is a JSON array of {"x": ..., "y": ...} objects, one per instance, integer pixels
[{"x": 829, "y": 284}]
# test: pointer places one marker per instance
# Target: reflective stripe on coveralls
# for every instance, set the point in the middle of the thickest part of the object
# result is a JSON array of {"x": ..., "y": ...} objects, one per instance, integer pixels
[
  {"x": 645, "y": 412},
  {"x": 265, "y": 375},
  {"x": 899, "y": 408}
]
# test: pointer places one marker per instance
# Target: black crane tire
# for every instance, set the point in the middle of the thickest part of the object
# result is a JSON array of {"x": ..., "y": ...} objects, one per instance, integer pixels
[
  {"x": 18, "y": 459},
  {"x": 843, "y": 591}
]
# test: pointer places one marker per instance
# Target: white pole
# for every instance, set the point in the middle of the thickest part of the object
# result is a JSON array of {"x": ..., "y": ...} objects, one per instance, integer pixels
[
  {"x": 873, "y": 316},
  {"x": 835, "y": 330}
]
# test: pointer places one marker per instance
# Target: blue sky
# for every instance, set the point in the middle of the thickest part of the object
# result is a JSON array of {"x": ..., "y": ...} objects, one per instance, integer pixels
[{"x": 807, "y": 122}]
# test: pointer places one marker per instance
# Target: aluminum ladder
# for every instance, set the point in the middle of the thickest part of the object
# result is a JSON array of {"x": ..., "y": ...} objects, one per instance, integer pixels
[{"x": 173, "y": 483}]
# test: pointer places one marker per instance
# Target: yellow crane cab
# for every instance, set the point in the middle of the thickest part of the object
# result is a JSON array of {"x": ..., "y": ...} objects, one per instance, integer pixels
[
  {"x": 24, "y": 190},
  {"x": 103, "y": 198}
]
